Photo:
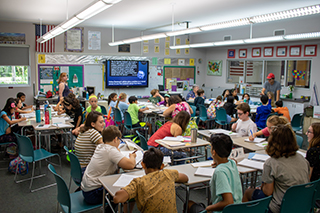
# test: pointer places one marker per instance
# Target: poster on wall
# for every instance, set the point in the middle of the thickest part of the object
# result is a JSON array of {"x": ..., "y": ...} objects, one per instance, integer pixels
[
  {"x": 310, "y": 50},
  {"x": 256, "y": 52},
  {"x": 231, "y": 53},
  {"x": 12, "y": 38},
  {"x": 295, "y": 51},
  {"x": 214, "y": 67},
  {"x": 281, "y": 51},
  {"x": 94, "y": 40},
  {"x": 73, "y": 40},
  {"x": 242, "y": 53},
  {"x": 268, "y": 52}
]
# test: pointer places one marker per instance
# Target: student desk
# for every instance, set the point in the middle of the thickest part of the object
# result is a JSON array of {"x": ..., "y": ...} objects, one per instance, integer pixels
[
  {"x": 198, "y": 144},
  {"x": 238, "y": 141}
]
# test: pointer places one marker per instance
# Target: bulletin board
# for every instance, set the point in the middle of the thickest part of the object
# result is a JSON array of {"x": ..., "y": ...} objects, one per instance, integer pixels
[
  {"x": 48, "y": 75},
  {"x": 172, "y": 74}
]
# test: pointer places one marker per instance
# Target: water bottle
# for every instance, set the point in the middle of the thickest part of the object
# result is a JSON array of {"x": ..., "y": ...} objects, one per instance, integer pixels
[
  {"x": 38, "y": 113},
  {"x": 46, "y": 117},
  {"x": 194, "y": 135},
  {"x": 49, "y": 110},
  {"x": 87, "y": 95}
]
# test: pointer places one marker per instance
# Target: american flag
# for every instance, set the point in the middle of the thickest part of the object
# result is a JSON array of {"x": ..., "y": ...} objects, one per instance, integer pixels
[
  {"x": 237, "y": 68},
  {"x": 48, "y": 46}
]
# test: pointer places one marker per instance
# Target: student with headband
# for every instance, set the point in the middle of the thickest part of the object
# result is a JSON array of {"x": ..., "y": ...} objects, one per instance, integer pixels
[
  {"x": 73, "y": 109},
  {"x": 93, "y": 101}
]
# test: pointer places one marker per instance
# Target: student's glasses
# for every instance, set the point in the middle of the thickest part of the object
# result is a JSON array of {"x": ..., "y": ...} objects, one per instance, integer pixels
[
  {"x": 239, "y": 113},
  {"x": 309, "y": 132}
]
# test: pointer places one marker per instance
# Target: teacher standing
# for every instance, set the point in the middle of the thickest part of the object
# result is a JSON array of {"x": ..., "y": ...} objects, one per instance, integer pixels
[
  {"x": 272, "y": 86},
  {"x": 63, "y": 87}
]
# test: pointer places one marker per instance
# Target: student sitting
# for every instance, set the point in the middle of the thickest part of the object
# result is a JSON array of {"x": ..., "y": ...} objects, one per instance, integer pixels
[
  {"x": 93, "y": 101},
  {"x": 263, "y": 112},
  {"x": 112, "y": 102},
  {"x": 156, "y": 97},
  {"x": 283, "y": 169},
  {"x": 211, "y": 111},
  {"x": 282, "y": 110},
  {"x": 71, "y": 106},
  {"x": 121, "y": 104},
  {"x": 199, "y": 100},
  {"x": 105, "y": 161},
  {"x": 225, "y": 94},
  {"x": 134, "y": 110},
  {"x": 244, "y": 126},
  {"x": 234, "y": 93},
  {"x": 165, "y": 102},
  {"x": 154, "y": 192},
  {"x": 89, "y": 137},
  {"x": 246, "y": 99},
  {"x": 22, "y": 97},
  {"x": 229, "y": 106},
  {"x": 272, "y": 121},
  {"x": 6, "y": 121},
  {"x": 18, "y": 109},
  {"x": 176, "y": 105},
  {"x": 313, "y": 153},
  {"x": 225, "y": 184}
]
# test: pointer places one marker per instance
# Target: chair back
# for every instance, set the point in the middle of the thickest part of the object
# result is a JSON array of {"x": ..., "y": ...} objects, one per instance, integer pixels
[
  {"x": 26, "y": 151},
  {"x": 299, "y": 198},
  {"x": 76, "y": 172},
  {"x": 221, "y": 115},
  {"x": 299, "y": 140},
  {"x": 143, "y": 141},
  {"x": 117, "y": 116},
  {"x": 63, "y": 196},
  {"x": 254, "y": 206},
  {"x": 103, "y": 110},
  {"x": 127, "y": 120},
  {"x": 202, "y": 112},
  {"x": 194, "y": 109},
  {"x": 296, "y": 121}
]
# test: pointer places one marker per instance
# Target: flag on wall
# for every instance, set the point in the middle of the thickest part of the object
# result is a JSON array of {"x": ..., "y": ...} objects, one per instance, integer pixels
[
  {"x": 237, "y": 68},
  {"x": 48, "y": 46}
]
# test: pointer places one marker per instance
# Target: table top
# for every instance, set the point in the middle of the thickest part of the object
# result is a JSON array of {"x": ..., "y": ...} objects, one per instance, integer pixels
[{"x": 199, "y": 143}]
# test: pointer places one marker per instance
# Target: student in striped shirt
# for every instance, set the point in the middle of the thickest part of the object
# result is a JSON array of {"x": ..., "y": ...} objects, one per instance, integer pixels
[{"x": 89, "y": 138}]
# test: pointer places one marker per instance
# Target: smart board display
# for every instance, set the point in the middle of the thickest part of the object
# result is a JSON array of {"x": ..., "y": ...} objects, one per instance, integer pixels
[{"x": 126, "y": 73}]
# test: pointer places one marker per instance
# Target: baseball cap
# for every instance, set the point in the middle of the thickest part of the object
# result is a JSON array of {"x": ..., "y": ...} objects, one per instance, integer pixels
[{"x": 271, "y": 75}]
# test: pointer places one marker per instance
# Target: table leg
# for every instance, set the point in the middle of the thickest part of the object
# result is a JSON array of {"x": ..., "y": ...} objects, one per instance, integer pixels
[
  {"x": 36, "y": 138},
  {"x": 187, "y": 199},
  {"x": 208, "y": 194},
  {"x": 104, "y": 200},
  {"x": 172, "y": 158}
]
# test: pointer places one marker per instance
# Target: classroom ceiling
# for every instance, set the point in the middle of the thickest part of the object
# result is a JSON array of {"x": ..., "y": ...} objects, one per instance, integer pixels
[{"x": 144, "y": 14}]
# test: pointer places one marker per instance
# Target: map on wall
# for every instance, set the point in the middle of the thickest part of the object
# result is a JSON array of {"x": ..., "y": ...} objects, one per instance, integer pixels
[{"x": 214, "y": 67}]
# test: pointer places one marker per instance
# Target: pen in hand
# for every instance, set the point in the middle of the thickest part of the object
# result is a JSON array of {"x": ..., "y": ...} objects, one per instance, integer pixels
[{"x": 134, "y": 151}]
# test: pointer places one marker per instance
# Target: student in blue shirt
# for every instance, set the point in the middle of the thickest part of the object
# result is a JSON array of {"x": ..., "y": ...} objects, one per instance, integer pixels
[
  {"x": 263, "y": 112},
  {"x": 121, "y": 104},
  {"x": 225, "y": 184},
  {"x": 192, "y": 94}
]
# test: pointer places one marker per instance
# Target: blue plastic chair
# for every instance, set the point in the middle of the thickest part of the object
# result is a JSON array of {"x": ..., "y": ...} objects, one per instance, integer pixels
[
  {"x": 103, "y": 110},
  {"x": 117, "y": 116},
  {"x": 128, "y": 123},
  {"x": 29, "y": 155},
  {"x": 221, "y": 116},
  {"x": 299, "y": 140},
  {"x": 194, "y": 108},
  {"x": 203, "y": 114},
  {"x": 73, "y": 202},
  {"x": 143, "y": 141},
  {"x": 254, "y": 206},
  {"x": 299, "y": 198},
  {"x": 297, "y": 122},
  {"x": 75, "y": 172}
]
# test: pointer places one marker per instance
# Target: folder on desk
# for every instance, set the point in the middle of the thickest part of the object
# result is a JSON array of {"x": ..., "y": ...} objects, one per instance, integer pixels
[
  {"x": 252, "y": 164},
  {"x": 173, "y": 143},
  {"x": 206, "y": 172},
  {"x": 258, "y": 157}
]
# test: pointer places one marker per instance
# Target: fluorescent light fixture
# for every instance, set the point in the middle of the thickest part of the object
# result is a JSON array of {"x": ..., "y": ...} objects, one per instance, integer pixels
[
  {"x": 71, "y": 23},
  {"x": 46, "y": 36},
  {"x": 224, "y": 43},
  {"x": 264, "y": 39},
  {"x": 182, "y": 32},
  {"x": 56, "y": 31},
  {"x": 93, "y": 10},
  {"x": 208, "y": 44},
  {"x": 302, "y": 36},
  {"x": 227, "y": 24},
  {"x": 303, "y": 11},
  {"x": 132, "y": 40},
  {"x": 153, "y": 36},
  {"x": 115, "y": 43},
  {"x": 111, "y": 1},
  {"x": 180, "y": 46}
]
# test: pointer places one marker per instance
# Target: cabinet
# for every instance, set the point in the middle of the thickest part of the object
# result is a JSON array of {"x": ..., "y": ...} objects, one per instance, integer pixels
[{"x": 294, "y": 107}]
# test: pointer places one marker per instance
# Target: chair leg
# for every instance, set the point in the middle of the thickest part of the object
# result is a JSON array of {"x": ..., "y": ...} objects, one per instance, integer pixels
[
  {"x": 58, "y": 207},
  {"x": 34, "y": 165}
]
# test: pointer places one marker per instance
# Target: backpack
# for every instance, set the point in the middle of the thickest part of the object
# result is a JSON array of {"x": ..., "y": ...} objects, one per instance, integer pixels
[
  {"x": 22, "y": 166},
  {"x": 191, "y": 125}
]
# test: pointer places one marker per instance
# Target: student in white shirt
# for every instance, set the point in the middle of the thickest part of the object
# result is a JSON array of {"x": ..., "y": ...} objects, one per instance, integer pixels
[{"x": 244, "y": 126}]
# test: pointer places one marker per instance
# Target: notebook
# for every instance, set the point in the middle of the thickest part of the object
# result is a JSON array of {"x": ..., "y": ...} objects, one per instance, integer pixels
[
  {"x": 202, "y": 164},
  {"x": 223, "y": 131},
  {"x": 260, "y": 157},
  {"x": 252, "y": 164},
  {"x": 173, "y": 143},
  {"x": 256, "y": 140},
  {"x": 206, "y": 172},
  {"x": 124, "y": 180}
]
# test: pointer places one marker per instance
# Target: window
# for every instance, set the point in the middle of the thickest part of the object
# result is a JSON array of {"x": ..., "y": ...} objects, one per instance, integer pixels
[
  {"x": 254, "y": 71},
  {"x": 277, "y": 68},
  {"x": 298, "y": 73},
  {"x": 13, "y": 75},
  {"x": 235, "y": 70}
]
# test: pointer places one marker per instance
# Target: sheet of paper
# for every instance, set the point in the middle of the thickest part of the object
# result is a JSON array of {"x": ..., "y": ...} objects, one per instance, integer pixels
[
  {"x": 223, "y": 131},
  {"x": 237, "y": 153},
  {"x": 304, "y": 154},
  {"x": 178, "y": 138},
  {"x": 63, "y": 125},
  {"x": 263, "y": 144},
  {"x": 256, "y": 140},
  {"x": 173, "y": 143},
  {"x": 202, "y": 164},
  {"x": 130, "y": 145},
  {"x": 166, "y": 159},
  {"x": 252, "y": 164},
  {"x": 43, "y": 126},
  {"x": 207, "y": 172},
  {"x": 124, "y": 180},
  {"x": 260, "y": 157},
  {"x": 138, "y": 157}
]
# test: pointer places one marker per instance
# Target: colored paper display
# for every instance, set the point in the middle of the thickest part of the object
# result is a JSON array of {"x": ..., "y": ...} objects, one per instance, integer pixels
[{"x": 298, "y": 74}]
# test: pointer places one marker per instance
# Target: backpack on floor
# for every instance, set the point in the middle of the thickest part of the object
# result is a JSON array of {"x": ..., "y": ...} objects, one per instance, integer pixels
[{"x": 22, "y": 166}]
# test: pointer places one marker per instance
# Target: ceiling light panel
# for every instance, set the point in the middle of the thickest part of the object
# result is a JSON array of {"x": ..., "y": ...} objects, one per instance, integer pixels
[
  {"x": 153, "y": 36},
  {"x": 132, "y": 40},
  {"x": 115, "y": 43},
  {"x": 93, "y": 10},
  {"x": 224, "y": 43},
  {"x": 208, "y": 44},
  {"x": 180, "y": 47},
  {"x": 227, "y": 24},
  {"x": 264, "y": 39},
  {"x": 182, "y": 32},
  {"x": 302, "y": 36}
]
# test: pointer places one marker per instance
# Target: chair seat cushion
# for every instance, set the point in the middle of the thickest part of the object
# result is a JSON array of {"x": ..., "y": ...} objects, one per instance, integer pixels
[
  {"x": 78, "y": 204},
  {"x": 41, "y": 154}
]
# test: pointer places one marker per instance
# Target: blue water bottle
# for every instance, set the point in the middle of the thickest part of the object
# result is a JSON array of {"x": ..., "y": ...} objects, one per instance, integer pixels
[
  {"x": 87, "y": 95},
  {"x": 38, "y": 114}
]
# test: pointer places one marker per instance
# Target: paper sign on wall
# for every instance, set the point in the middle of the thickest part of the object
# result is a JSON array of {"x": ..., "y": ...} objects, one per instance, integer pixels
[
  {"x": 191, "y": 61},
  {"x": 167, "y": 61}
]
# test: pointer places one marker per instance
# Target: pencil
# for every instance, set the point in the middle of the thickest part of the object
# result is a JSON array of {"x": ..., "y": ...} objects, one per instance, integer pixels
[{"x": 134, "y": 151}]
